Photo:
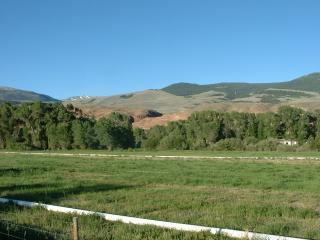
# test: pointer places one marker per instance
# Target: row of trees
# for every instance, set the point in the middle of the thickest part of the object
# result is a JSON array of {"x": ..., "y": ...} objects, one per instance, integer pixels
[
  {"x": 54, "y": 126},
  {"x": 236, "y": 131}
]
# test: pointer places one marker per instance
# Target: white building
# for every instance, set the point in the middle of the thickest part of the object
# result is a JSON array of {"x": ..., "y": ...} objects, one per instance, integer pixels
[{"x": 288, "y": 142}]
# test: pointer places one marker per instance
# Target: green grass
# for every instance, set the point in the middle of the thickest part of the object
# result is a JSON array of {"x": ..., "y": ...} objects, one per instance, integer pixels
[{"x": 269, "y": 196}]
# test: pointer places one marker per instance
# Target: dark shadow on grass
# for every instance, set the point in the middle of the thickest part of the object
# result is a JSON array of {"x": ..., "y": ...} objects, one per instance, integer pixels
[
  {"x": 5, "y": 171},
  {"x": 51, "y": 193},
  {"x": 14, "y": 171},
  {"x": 15, "y": 187}
]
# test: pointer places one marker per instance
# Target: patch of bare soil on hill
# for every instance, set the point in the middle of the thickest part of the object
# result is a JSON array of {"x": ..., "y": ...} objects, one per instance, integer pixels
[
  {"x": 149, "y": 122},
  {"x": 143, "y": 118},
  {"x": 99, "y": 112}
]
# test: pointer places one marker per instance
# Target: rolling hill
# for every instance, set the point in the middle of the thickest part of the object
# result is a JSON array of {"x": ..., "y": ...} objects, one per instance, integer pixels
[
  {"x": 296, "y": 88},
  {"x": 17, "y": 96},
  {"x": 178, "y": 101}
]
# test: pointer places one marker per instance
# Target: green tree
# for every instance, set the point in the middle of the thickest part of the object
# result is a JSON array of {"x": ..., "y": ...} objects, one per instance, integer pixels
[
  {"x": 139, "y": 137},
  {"x": 6, "y": 124},
  {"x": 115, "y": 131}
]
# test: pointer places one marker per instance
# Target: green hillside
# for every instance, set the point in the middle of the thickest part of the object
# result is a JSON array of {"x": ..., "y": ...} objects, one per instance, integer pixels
[
  {"x": 17, "y": 96},
  {"x": 310, "y": 83}
]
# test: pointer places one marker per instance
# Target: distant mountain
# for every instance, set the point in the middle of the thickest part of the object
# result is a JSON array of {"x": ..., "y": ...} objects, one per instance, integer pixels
[
  {"x": 303, "y": 92},
  {"x": 17, "y": 96}
]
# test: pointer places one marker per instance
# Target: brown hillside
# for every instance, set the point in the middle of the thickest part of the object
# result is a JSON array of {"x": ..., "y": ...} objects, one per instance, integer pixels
[{"x": 144, "y": 118}]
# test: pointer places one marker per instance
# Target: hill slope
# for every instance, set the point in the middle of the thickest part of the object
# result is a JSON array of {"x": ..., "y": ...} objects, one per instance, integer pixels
[
  {"x": 309, "y": 83},
  {"x": 177, "y": 101},
  {"x": 17, "y": 96}
]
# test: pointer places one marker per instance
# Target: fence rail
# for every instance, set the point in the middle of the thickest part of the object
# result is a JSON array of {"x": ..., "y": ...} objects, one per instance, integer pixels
[{"x": 141, "y": 221}]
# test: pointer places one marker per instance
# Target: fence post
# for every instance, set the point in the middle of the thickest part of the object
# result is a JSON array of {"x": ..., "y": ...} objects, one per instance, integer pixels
[{"x": 75, "y": 229}]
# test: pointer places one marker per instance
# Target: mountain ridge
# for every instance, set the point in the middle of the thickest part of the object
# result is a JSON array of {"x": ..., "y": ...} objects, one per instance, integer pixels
[
  {"x": 187, "y": 89},
  {"x": 14, "y": 95}
]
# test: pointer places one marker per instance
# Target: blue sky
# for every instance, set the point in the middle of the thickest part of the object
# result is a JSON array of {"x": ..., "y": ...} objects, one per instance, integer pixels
[{"x": 74, "y": 47}]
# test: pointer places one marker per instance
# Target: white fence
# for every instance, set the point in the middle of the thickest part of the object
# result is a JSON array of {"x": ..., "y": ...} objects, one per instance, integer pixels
[{"x": 141, "y": 221}]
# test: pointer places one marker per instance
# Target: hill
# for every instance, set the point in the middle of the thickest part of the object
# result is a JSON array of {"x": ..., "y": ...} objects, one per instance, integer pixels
[
  {"x": 17, "y": 96},
  {"x": 177, "y": 101},
  {"x": 295, "y": 88}
]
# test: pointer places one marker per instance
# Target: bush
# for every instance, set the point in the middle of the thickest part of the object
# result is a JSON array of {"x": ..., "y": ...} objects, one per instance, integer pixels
[
  {"x": 304, "y": 148},
  {"x": 315, "y": 143},
  {"x": 229, "y": 144},
  {"x": 173, "y": 141},
  {"x": 269, "y": 144},
  {"x": 286, "y": 148}
]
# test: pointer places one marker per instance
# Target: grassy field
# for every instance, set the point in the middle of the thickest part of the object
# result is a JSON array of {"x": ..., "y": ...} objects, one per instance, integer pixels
[{"x": 270, "y": 196}]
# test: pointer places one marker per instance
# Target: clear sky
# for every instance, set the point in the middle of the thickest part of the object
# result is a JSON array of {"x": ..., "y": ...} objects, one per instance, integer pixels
[{"x": 65, "y": 48}]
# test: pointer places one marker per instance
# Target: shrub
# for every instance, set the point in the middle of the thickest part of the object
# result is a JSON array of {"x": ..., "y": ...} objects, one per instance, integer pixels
[
  {"x": 269, "y": 144},
  {"x": 229, "y": 144}
]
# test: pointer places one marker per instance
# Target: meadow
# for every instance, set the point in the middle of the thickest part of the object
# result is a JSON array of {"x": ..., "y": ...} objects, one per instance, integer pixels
[{"x": 275, "y": 196}]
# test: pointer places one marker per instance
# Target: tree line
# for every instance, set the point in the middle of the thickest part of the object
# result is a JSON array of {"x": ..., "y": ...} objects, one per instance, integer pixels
[
  {"x": 238, "y": 131},
  {"x": 41, "y": 125}
]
